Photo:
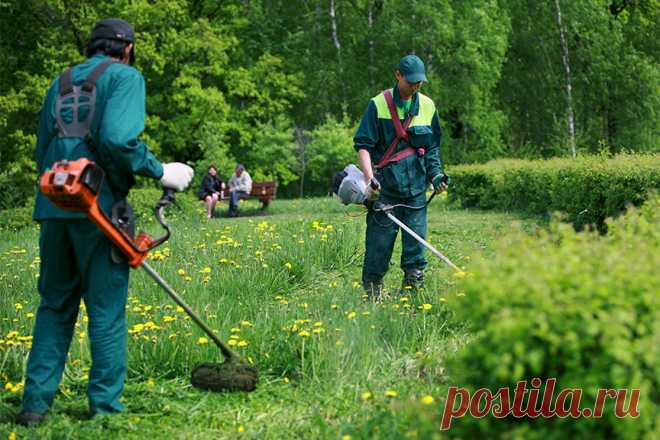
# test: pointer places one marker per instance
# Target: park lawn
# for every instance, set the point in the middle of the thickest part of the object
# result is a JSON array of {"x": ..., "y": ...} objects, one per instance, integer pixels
[{"x": 285, "y": 289}]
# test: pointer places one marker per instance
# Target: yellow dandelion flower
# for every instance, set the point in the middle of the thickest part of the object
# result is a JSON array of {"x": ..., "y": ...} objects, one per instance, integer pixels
[
  {"x": 181, "y": 272},
  {"x": 202, "y": 340},
  {"x": 426, "y": 306},
  {"x": 205, "y": 270},
  {"x": 460, "y": 274},
  {"x": 29, "y": 315},
  {"x": 391, "y": 393},
  {"x": 346, "y": 437},
  {"x": 235, "y": 330},
  {"x": 247, "y": 323},
  {"x": 303, "y": 333},
  {"x": 333, "y": 306},
  {"x": 242, "y": 343},
  {"x": 351, "y": 315},
  {"x": 240, "y": 429},
  {"x": 427, "y": 400},
  {"x": 285, "y": 380},
  {"x": 366, "y": 395},
  {"x": 288, "y": 265},
  {"x": 232, "y": 342}
]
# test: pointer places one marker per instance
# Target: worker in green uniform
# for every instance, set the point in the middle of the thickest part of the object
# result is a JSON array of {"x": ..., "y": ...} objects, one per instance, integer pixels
[
  {"x": 398, "y": 144},
  {"x": 95, "y": 110}
]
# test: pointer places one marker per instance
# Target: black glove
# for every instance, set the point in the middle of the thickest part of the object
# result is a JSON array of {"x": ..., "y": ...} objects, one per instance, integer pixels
[{"x": 440, "y": 182}]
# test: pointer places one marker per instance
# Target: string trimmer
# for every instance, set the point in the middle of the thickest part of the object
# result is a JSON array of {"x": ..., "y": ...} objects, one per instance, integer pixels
[
  {"x": 349, "y": 185},
  {"x": 74, "y": 186}
]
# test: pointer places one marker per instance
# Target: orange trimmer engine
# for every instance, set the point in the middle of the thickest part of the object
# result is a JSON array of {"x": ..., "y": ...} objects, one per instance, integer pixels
[{"x": 75, "y": 186}]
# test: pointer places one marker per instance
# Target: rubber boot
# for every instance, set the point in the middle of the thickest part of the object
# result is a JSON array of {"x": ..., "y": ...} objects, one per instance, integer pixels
[
  {"x": 413, "y": 280},
  {"x": 29, "y": 419},
  {"x": 373, "y": 290}
]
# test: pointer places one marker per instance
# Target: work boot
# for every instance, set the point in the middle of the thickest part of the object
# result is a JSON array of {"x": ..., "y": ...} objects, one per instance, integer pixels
[
  {"x": 29, "y": 419},
  {"x": 373, "y": 290},
  {"x": 413, "y": 280}
]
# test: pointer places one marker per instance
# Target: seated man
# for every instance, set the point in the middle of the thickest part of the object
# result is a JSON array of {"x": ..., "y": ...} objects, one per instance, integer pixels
[
  {"x": 240, "y": 185},
  {"x": 211, "y": 190}
]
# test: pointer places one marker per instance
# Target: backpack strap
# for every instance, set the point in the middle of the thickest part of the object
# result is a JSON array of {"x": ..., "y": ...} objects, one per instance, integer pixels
[
  {"x": 66, "y": 82},
  {"x": 73, "y": 97},
  {"x": 90, "y": 82},
  {"x": 401, "y": 134}
]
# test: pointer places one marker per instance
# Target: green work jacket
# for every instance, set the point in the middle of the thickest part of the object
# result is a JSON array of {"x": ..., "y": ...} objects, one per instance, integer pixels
[
  {"x": 118, "y": 121},
  {"x": 410, "y": 176}
]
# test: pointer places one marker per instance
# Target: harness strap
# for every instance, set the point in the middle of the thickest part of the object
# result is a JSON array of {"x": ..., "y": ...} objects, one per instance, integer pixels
[
  {"x": 66, "y": 82},
  {"x": 74, "y": 97},
  {"x": 90, "y": 81},
  {"x": 401, "y": 134}
]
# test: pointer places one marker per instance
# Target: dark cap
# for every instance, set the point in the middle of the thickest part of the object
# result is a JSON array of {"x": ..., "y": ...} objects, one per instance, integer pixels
[
  {"x": 412, "y": 68},
  {"x": 113, "y": 29}
]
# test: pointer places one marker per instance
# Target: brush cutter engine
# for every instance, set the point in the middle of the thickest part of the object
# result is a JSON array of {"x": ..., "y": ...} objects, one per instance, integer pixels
[{"x": 349, "y": 186}]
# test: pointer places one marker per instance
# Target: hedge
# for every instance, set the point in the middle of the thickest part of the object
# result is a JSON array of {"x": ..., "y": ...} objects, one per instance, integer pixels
[
  {"x": 587, "y": 189},
  {"x": 576, "y": 306}
]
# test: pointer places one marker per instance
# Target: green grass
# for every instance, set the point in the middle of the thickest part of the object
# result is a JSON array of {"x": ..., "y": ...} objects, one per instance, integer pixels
[{"x": 272, "y": 279}]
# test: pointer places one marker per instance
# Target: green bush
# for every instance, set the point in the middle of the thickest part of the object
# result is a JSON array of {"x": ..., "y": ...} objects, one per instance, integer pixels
[
  {"x": 578, "y": 307},
  {"x": 588, "y": 189},
  {"x": 15, "y": 219}
]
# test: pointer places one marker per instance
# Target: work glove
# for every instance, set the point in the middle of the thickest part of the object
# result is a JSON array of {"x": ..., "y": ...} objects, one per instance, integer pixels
[
  {"x": 176, "y": 176},
  {"x": 373, "y": 190},
  {"x": 440, "y": 182}
]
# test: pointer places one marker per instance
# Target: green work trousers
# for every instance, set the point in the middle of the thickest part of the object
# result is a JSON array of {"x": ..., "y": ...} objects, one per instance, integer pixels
[
  {"x": 76, "y": 264},
  {"x": 381, "y": 236}
]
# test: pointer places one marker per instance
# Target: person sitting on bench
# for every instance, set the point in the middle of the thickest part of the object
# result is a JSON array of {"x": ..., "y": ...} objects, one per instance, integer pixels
[
  {"x": 212, "y": 190},
  {"x": 240, "y": 185}
]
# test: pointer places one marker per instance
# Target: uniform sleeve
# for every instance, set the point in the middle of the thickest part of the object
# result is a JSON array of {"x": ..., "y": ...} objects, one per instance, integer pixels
[
  {"x": 366, "y": 136},
  {"x": 123, "y": 122},
  {"x": 433, "y": 162},
  {"x": 45, "y": 132}
]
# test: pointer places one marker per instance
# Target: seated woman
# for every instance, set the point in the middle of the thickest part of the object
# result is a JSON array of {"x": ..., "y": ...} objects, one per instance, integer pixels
[{"x": 211, "y": 191}]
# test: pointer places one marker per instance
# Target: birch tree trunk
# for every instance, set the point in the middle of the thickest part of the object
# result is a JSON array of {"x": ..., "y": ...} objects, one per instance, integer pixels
[
  {"x": 567, "y": 70},
  {"x": 335, "y": 38},
  {"x": 371, "y": 68}
]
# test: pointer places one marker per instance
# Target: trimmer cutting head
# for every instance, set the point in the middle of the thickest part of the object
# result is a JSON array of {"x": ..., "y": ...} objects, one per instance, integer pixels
[{"x": 231, "y": 375}]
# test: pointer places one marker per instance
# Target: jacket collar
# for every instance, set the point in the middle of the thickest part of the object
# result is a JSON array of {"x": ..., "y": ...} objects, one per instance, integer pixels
[{"x": 414, "y": 107}]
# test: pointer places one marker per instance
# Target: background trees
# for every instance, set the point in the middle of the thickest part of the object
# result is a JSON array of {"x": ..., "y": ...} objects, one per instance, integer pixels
[{"x": 278, "y": 84}]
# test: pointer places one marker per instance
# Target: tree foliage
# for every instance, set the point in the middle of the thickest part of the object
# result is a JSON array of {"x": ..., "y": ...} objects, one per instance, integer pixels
[{"x": 222, "y": 77}]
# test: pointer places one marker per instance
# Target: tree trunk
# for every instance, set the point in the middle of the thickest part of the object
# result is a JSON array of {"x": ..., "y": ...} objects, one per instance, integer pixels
[
  {"x": 567, "y": 70},
  {"x": 335, "y": 38},
  {"x": 371, "y": 67},
  {"x": 302, "y": 143}
]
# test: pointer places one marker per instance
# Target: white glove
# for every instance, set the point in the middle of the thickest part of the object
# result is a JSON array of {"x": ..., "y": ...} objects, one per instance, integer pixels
[{"x": 176, "y": 176}]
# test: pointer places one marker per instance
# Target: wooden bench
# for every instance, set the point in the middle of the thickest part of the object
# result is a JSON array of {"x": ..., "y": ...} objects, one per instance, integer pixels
[{"x": 264, "y": 191}]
